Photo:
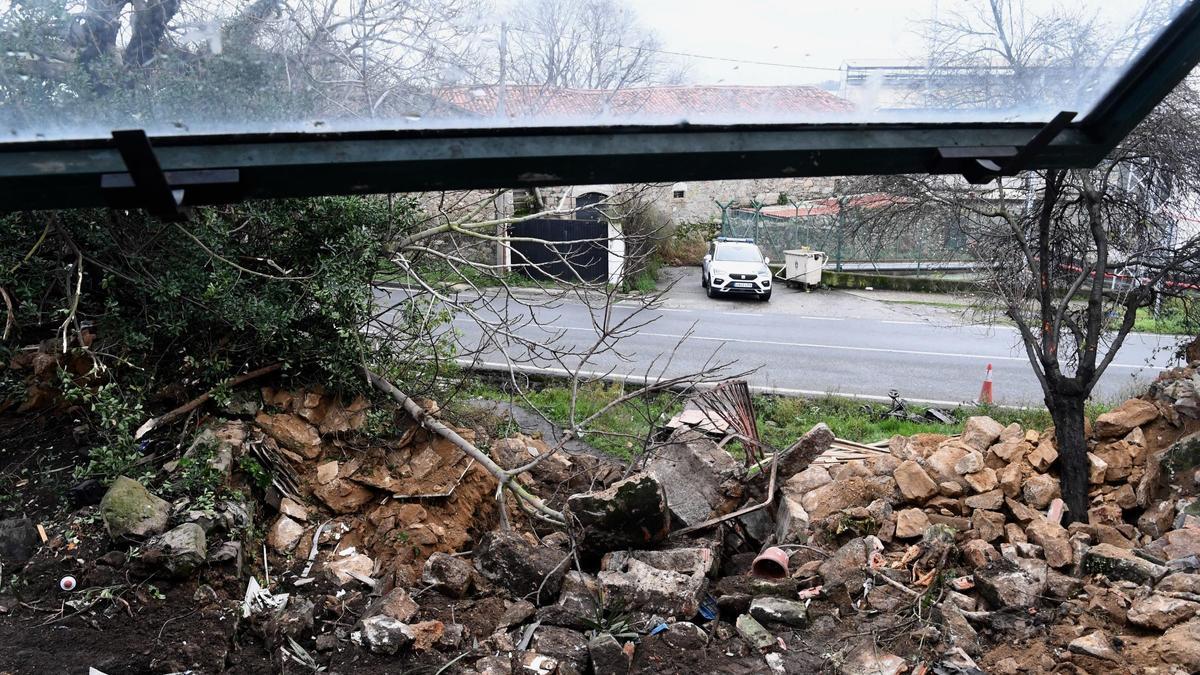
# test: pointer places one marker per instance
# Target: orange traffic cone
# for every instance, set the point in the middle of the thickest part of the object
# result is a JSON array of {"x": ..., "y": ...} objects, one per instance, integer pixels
[{"x": 985, "y": 392}]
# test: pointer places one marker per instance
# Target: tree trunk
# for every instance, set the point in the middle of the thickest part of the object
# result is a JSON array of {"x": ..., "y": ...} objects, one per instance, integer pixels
[{"x": 1068, "y": 415}]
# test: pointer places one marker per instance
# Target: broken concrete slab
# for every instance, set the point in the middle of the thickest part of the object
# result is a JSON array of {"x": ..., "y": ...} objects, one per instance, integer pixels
[
  {"x": 754, "y": 634},
  {"x": 641, "y": 587},
  {"x": 779, "y": 610},
  {"x": 796, "y": 458},
  {"x": 699, "y": 478},
  {"x": 180, "y": 551},
  {"x": 534, "y": 572},
  {"x": 631, "y": 513},
  {"x": 1118, "y": 563}
]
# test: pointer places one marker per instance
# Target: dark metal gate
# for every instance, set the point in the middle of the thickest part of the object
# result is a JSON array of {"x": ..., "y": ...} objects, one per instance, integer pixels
[{"x": 568, "y": 249}]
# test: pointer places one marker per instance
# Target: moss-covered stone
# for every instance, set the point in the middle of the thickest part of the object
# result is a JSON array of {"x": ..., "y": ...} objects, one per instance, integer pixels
[
  {"x": 130, "y": 511},
  {"x": 631, "y": 513},
  {"x": 1181, "y": 457}
]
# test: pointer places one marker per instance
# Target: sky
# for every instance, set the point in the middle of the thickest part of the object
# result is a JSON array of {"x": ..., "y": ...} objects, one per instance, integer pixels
[{"x": 814, "y": 33}]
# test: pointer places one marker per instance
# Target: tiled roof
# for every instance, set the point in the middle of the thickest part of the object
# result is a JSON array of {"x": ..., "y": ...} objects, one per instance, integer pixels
[{"x": 668, "y": 101}]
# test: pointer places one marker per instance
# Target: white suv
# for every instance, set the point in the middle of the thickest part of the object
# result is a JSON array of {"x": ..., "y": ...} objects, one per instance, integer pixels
[{"x": 736, "y": 266}]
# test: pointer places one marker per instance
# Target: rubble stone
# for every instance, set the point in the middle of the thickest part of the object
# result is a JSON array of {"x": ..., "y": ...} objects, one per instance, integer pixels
[
  {"x": 867, "y": 660},
  {"x": 426, "y": 634},
  {"x": 979, "y": 553},
  {"x": 809, "y": 479},
  {"x": 839, "y": 495},
  {"x": 914, "y": 483},
  {"x": 638, "y": 586},
  {"x": 505, "y": 558},
  {"x": 130, "y": 511},
  {"x": 343, "y": 496},
  {"x": 1177, "y": 544},
  {"x": 1053, "y": 539},
  {"x": 1009, "y": 451},
  {"x": 18, "y": 540},
  {"x": 911, "y": 523},
  {"x": 384, "y": 635},
  {"x": 397, "y": 603},
  {"x": 791, "y": 520},
  {"x": 941, "y": 463},
  {"x": 754, "y": 634},
  {"x": 693, "y": 471},
  {"x": 1160, "y": 612},
  {"x": 1004, "y": 584},
  {"x": 1010, "y": 479},
  {"x": 1118, "y": 464},
  {"x": 284, "y": 534},
  {"x": 991, "y": 500},
  {"x": 1124, "y": 418},
  {"x": 779, "y": 610},
  {"x": 292, "y": 509},
  {"x": 1041, "y": 457},
  {"x": 568, "y": 647},
  {"x": 846, "y": 564},
  {"x": 1096, "y": 469},
  {"x": 1179, "y": 582},
  {"x": 685, "y": 635},
  {"x": 950, "y": 489},
  {"x": 983, "y": 480},
  {"x": 989, "y": 525},
  {"x": 1095, "y": 644},
  {"x": 981, "y": 432},
  {"x": 292, "y": 432},
  {"x": 449, "y": 575},
  {"x": 812, "y": 443},
  {"x": 1118, "y": 563},
  {"x": 1039, "y": 490},
  {"x": 607, "y": 655},
  {"x": 1181, "y": 646},
  {"x": 969, "y": 463},
  {"x": 180, "y": 551},
  {"x": 631, "y": 513}
]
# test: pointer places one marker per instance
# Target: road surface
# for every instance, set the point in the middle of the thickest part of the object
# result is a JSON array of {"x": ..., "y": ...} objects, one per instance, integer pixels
[{"x": 854, "y": 347}]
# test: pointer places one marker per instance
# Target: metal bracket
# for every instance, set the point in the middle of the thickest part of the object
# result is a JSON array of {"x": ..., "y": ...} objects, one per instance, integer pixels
[
  {"x": 162, "y": 193},
  {"x": 985, "y": 164}
]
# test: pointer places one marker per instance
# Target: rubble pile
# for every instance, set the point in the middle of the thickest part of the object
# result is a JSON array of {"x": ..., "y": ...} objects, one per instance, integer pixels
[{"x": 947, "y": 554}]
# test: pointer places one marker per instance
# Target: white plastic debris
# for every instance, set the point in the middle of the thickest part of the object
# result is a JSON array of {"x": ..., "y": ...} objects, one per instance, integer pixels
[{"x": 67, "y": 583}]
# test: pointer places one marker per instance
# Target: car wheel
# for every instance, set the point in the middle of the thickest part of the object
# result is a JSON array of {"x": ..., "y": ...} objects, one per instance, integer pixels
[
  {"x": 703, "y": 280},
  {"x": 765, "y": 297},
  {"x": 711, "y": 293}
]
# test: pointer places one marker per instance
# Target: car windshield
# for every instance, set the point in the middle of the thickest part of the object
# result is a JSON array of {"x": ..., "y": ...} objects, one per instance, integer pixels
[{"x": 738, "y": 254}]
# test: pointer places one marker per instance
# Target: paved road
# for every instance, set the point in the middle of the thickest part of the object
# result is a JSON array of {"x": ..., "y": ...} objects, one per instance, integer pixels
[{"x": 827, "y": 342}]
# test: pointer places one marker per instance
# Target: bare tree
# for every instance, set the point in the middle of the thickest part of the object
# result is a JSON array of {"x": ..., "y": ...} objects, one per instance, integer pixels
[
  {"x": 589, "y": 44},
  {"x": 1070, "y": 257}
]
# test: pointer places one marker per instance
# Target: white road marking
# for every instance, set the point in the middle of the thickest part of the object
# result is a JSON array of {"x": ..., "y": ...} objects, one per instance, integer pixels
[
  {"x": 671, "y": 309},
  {"x": 754, "y": 388},
  {"x": 813, "y": 345},
  {"x": 740, "y": 314},
  {"x": 819, "y": 318},
  {"x": 906, "y": 323}
]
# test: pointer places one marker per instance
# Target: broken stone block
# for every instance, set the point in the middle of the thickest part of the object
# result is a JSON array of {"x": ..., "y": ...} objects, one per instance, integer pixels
[
  {"x": 1160, "y": 612},
  {"x": 911, "y": 523},
  {"x": 809, "y": 479},
  {"x": 1041, "y": 457},
  {"x": 791, "y": 520},
  {"x": 1176, "y": 544},
  {"x": 691, "y": 560},
  {"x": 179, "y": 551},
  {"x": 450, "y": 576},
  {"x": 1097, "y": 645},
  {"x": 397, "y": 603},
  {"x": 1124, "y": 418},
  {"x": 1053, "y": 539},
  {"x": 941, "y": 464},
  {"x": 754, "y": 634},
  {"x": 1118, "y": 563},
  {"x": 327, "y": 471},
  {"x": 18, "y": 540},
  {"x": 641, "y": 587},
  {"x": 1096, "y": 469},
  {"x": 695, "y": 474},
  {"x": 284, "y": 534},
  {"x": 1180, "y": 646},
  {"x": 846, "y": 564},
  {"x": 352, "y": 567},
  {"x": 1039, "y": 490},
  {"x": 292, "y": 432},
  {"x": 506, "y": 559},
  {"x": 981, "y": 432},
  {"x": 1010, "y": 479},
  {"x": 837, "y": 496},
  {"x": 805, "y": 450},
  {"x": 779, "y": 610},
  {"x": 1179, "y": 582},
  {"x": 607, "y": 656},
  {"x": 978, "y": 553},
  {"x": 426, "y": 634},
  {"x": 685, "y": 635},
  {"x": 1118, "y": 463},
  {"x": 983, "y": 480},
  {"x": 948, "y": 489},
  {"x": 1014, "y": 533},
  {"x": 991, "y": 500},
  {"x": 131, "y": 512},
  {"x": 989, "y": 525},
  {"x": 1004, "y": 584},
  {"x": 1009, "y": 451},
  {"x": 384, "y": 635},
  {"x": 969, "y": 463},
  {"x": 343, "y": 496},
  {"x": 568, "y": 647},
  {"x": 866, "y": 659},
  {"x": 914, "y": 483},
  {"x": 631, "y": 513}
]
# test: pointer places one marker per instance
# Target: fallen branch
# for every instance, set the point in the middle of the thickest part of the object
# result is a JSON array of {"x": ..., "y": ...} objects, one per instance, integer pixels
[
  {"x": 427, "y": 421},
  {"x": 155, "y": 422},
  {"x": 11, "y": 321}
]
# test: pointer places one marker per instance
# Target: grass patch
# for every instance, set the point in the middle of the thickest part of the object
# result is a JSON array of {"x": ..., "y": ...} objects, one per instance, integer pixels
[
  {"x": 1176, "y": 317},
  {"x": 781, "y": 420}
]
